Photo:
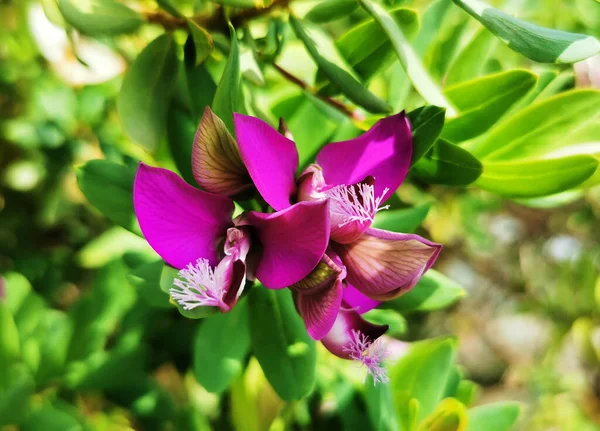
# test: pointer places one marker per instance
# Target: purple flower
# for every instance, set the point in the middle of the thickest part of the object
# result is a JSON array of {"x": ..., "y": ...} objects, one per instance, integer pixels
[
  {"x": 356, "y": 177},
  {"x": 193, "y": 231}
]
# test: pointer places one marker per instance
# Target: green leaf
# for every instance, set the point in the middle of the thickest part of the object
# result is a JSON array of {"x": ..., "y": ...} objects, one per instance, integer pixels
[
  {"x": 537, "y": 43},
  {"x": 100, "y": 17},
  {"x": 535, "y": 178},
  {"x": 167, "y": 278},
  {"x": 221, "y": 345},
  {"x": 228, "y": 97},
  {"x": 330, "y": 10},
  {"x": 482, "y": 101},
  {"x": 353, "y": 89},
  {"x": 472, "y": 59},
  {"x": 448, "y": 164},
  {"x": 10, "y": 349},
  {"x": 430, "y": 24},
  {"x": 16, "y": 390},
  {"x": 53, "y": 335},
  {"x": 254, "y": 4},
  {"x": 147, "y": 90},
  {"x": 500, "y": 416},
  {"x": 434, "y": 291},
  {"x": 550, "y": 124},
  {"x": 410, "y": 61},
  {"x": 418, "y": 379},
  {"x": 450, "y": 415},
  {"x": 392, "y": 318},
  {"x": 203, "y": 43},
  {"x": 52, "y": 418},
  {"x": 404, "y": 220},
  {"x": 181, "y": 129},
  {"x": 147, "y": 278},
  {"x": 108, "y": 186},
  {"x": 366, "y": 47},
  {"x": 200, "y": 84},
  {"x": 380, "y": 407},
  {"x": 280, "y": 342},
  {"x": 17, "y": 289},
  {"x": 426, "y": 123}
]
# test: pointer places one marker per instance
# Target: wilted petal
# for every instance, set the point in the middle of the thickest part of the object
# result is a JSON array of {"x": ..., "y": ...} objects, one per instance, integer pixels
[
  {"x": 180, "y": 222},
  {"x": 359, "y": 302},
  {"x": 319, "y": 309},
  {"x": 271, "y": 160},
  {"x": 293, "y": 242},
  {"x": 348, "y": 322},
  {"x": 383, "y": 265},
  {"x": 384, "y": 152},
  {"x": 216, "y": 161}
]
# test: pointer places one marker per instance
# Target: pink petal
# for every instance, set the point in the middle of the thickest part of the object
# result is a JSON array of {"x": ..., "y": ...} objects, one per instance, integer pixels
[
  {"x": 180, "y": 222},
  {"x": 340, "y": 337},
  {"x": 271, "y": 159},
  {"x": 293, "y": 242},
  {"x": 320, "y": 309},
  {"x": 359, "y": 302},
  {"x": 384, "y": 152},
  {"x": 383, "y": 265},
  {"x": 234, "y": 276}
]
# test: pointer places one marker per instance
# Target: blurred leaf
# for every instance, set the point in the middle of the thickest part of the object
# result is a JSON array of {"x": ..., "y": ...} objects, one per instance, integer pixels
[
  {"x": 228, "y": 96},
  {"x": 100, "y": 17},
  {"x": 330, "y": 10},
  {"x": 433, "y": 292},
  {"x": 430, "y": 24},
  {"x": 17, "y": 288},
  {"x": 170, "y": 8},
  {"x": 181, "y": 129},
  {"x": 108, "y": 186},
  {"x": 471, "y": 61},
  {"x": 493, "y": 417},
  {"x": 450, "y": 415},
  {"x": 540, "y": 44},
  {"x": 396, "y": 322},
  {"x": 53, "y": 335},
  {"x": 419, "y": 378},
  {"x": 482, "y": 102},
  {"x": 221, "y": 345},
  {"x": 380, "y": 407},
  {"x": 426, "y": 124},
  {"x": 466, "y": 392},
  {"x": 448, "y": 164},
  {"x": 255, "y": 4},
  {"x": 16, "y": 388},
  {"x": 202, "y": 42},
  {"x": 353, "y": 89},
  {"x": 147, "y": 278},
  {"x": 51, "y": 418},
  {"x": 404, "y": 220},
  {"x": 366, "y": 47},
  {"x": 280, "y": 342},
  {"x": 407, "y": 56},
  {"x": 534, "y": 178},
  {"x": 146, "y": 92},
  {"x": 200, "y": 84},
  {"x": 10, "y": 350},
  {"x": 547, "y": 125},
  {"x": 110, "y": 245}
]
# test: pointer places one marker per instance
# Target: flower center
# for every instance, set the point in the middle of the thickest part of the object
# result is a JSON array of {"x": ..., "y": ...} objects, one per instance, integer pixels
[
  {"x": 370, "y": 354},
  {"x": 355, "y": 203},
  {"x": 199, "y": 285}
]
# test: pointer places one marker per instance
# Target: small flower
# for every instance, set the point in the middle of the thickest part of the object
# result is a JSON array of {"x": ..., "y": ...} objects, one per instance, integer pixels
[{"x": 370, "y": 354}]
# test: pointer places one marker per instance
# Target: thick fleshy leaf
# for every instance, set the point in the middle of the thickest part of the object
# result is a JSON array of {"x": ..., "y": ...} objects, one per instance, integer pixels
[
  {"x": 340, "y": 336},
  {"x": 383, "y": 265},
  {"x": 271, "y": 159},
  {"x": 384, "y": 152},
  {"x": 293, "y": 242},
  {"x": 216, "y": 160},
  {"x": 319, "y": 309},
  {"x": 358, "y": 301},
  {"x": 181, "y": 223}
]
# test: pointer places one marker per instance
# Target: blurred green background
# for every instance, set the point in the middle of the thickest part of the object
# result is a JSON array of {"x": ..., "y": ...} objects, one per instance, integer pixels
[{"x": 101, "y": 351}]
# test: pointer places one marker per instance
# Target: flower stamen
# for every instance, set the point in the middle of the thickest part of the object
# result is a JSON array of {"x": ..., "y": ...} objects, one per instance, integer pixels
[
  {"x": 370, "y": 354},
  {"x": 199, "y": 285},
  {"x": 355, "y": 203}
]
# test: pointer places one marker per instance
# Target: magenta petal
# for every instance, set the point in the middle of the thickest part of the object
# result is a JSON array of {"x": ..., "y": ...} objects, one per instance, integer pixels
[
  {"x": 233, "y": 273},
  {"x": 340, "y": 337},
  {"x": 293, "y": 242},
  {"x": 320, "y": 309},
  {"x": 180, "y": 222},
  {"x": 271, "y": 159},
  {"x": 359, "y": 302},
  {"x": 384, "y": 152},
  {"x": 383, "y": 265}
]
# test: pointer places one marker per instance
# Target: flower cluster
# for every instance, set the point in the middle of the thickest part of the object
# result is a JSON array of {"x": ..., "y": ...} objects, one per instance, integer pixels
[{"x": 315, "y": 236}]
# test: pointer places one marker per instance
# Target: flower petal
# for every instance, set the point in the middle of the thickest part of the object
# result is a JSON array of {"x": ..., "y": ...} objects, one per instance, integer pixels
[
  {"x": 319, "y": 309},
  {"x": 216, "y": 161},
  {"x": 383, "y": 265},
  {"x": 384, "y": 152},
  {"x": 234, "y": 276},
  {"x": 180, "y": 222},
  {"x": 293, "y": 242},
  {"x": 359, "y": 302},
  {"x": 340, "y": 337},
  {"x": 271, "y": 159}
]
